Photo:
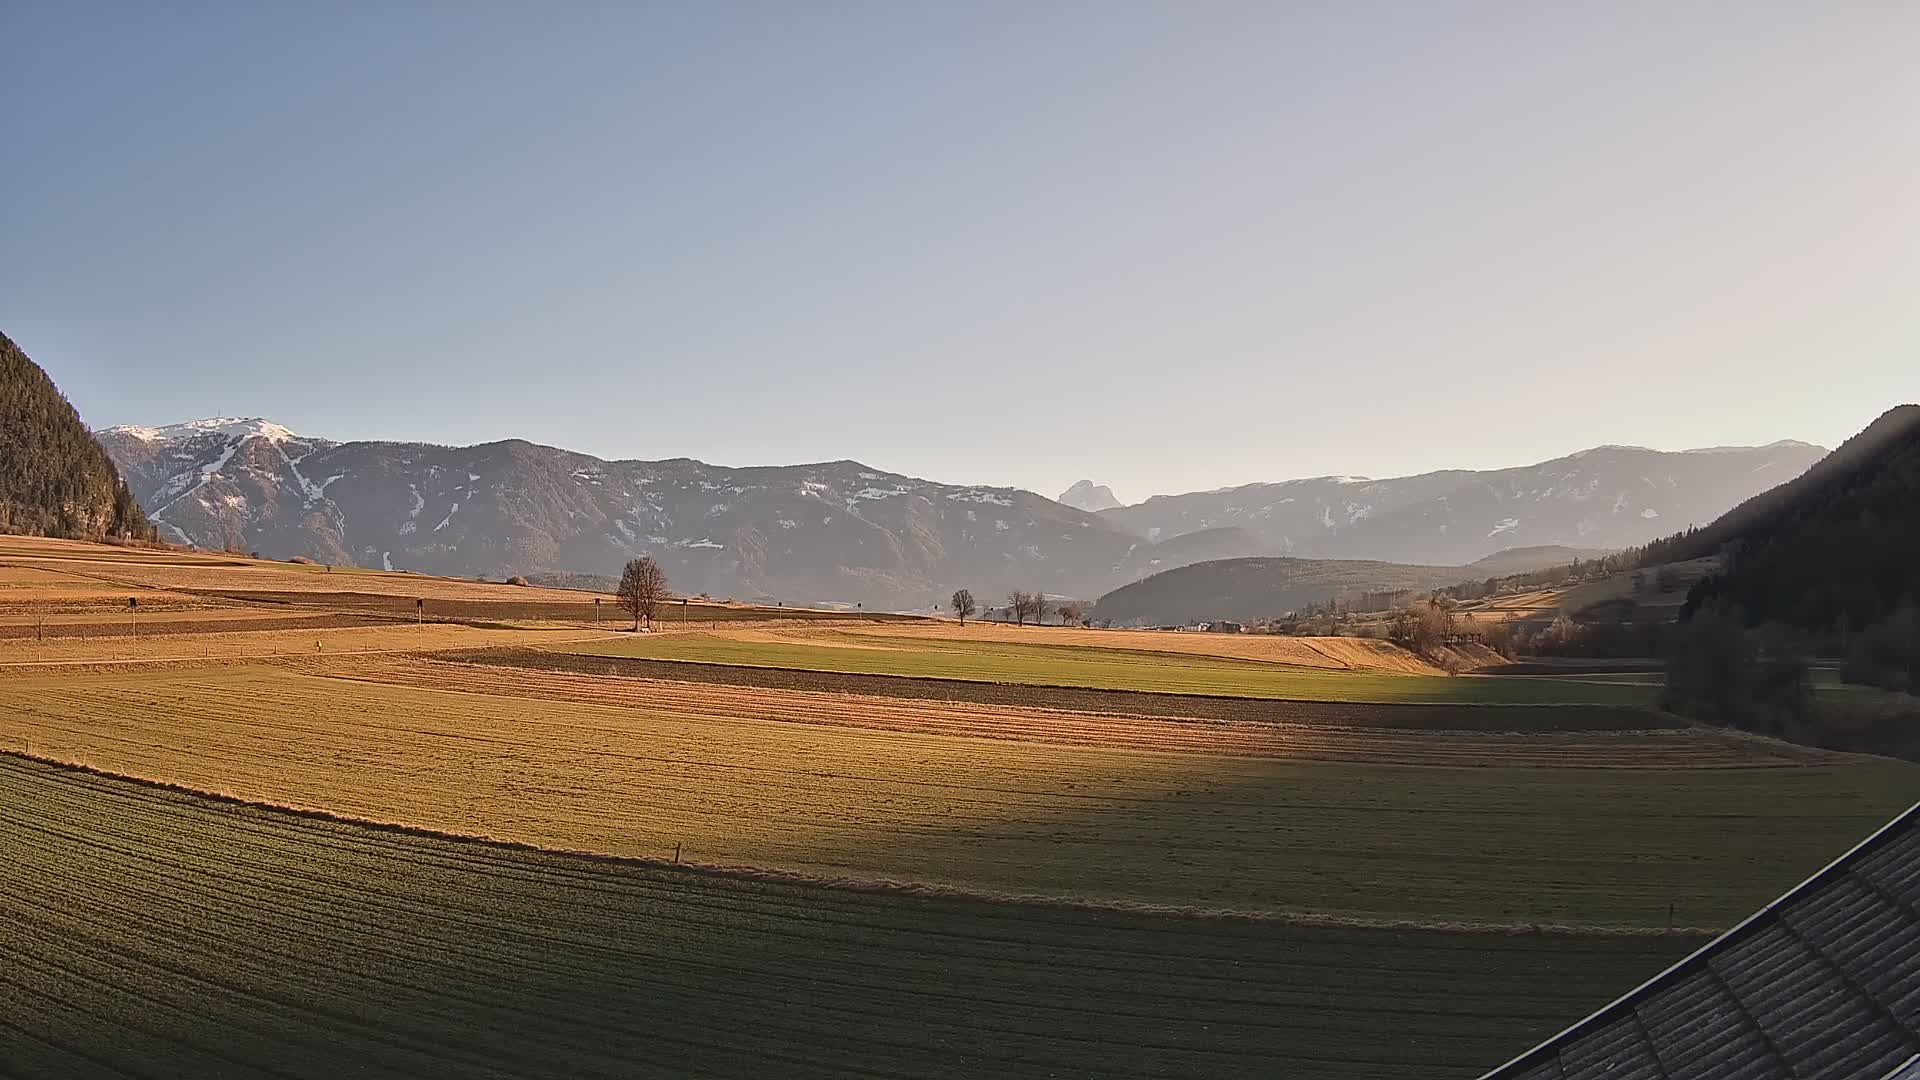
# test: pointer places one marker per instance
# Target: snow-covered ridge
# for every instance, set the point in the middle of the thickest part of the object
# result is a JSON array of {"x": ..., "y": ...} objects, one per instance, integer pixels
[
  {"x": 1782, "y": 444},
  {"x": 233, "y": 427}
]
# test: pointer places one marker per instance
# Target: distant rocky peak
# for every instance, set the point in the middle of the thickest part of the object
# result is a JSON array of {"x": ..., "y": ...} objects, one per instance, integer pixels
[{"x": 1090, "y": 497}]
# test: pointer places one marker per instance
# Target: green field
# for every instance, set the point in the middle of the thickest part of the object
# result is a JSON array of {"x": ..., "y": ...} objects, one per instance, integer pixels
[
  {"x": 145, "y": 932},
  {"x": 1117, "y": 669}
]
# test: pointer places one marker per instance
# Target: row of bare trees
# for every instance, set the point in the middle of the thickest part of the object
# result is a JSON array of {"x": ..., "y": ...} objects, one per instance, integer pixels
[
  {"x": 643, "y": 588},
  {"x": 1027, "y": 605},
  {"x": 1022, "y": 607}
]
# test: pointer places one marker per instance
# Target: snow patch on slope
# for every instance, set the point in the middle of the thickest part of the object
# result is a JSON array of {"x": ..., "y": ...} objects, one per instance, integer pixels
[
  {"x": 207, "y": 473},
  {"x": 977, "y": 496}
]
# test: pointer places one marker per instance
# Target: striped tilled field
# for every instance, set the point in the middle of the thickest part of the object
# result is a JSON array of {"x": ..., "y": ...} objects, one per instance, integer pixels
[
  {"x": 149, "y": 933},
  {"x": 1179, "y": 827},
  {"x": 1537, "y": 741}
]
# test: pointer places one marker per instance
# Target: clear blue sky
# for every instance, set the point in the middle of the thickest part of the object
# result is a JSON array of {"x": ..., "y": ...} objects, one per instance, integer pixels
[{"x": 1166, "y": 246}]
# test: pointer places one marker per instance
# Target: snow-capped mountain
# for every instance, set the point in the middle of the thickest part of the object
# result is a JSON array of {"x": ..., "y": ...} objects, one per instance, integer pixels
[
  {"x": 842, "y": 531},
  {"x": 1086, "y": 496},
  {"x": 231, "y": 426},
  {"x": 1606, "y": 497},
  {"x": 837, "y": 531}
]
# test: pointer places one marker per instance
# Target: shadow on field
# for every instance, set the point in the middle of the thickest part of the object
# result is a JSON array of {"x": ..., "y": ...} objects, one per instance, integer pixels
[{"x": 155, "y": 931}]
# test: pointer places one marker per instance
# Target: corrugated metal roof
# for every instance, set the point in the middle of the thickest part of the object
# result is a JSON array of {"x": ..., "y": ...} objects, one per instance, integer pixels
[{"x": 1823, "y": 982}]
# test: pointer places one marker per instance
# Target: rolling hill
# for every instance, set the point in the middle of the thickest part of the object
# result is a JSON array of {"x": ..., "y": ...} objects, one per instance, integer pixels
[
  {"x": 55, "y": 480},
  {"x": 1250, "y": 589}
]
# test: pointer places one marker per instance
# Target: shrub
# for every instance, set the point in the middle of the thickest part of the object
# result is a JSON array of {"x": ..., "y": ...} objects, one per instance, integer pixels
[
  {"x": 301, "y": 560},
  {"x": 517, "y": 580}
]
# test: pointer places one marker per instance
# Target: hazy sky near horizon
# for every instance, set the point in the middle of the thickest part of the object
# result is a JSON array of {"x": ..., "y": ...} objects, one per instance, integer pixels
[{"x": 1164, "y": 246}]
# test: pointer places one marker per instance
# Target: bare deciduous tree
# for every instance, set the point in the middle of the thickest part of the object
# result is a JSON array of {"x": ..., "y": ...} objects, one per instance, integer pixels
[
  {"x": 1424, "y": 626},
  {"x": 963, "y": 605},
  {"x": 1039, "y": 601},
  {"x": 1070, "y": 613},
  {"x": 643, "y": 586},
  {"x": 1019, "y": 605}
]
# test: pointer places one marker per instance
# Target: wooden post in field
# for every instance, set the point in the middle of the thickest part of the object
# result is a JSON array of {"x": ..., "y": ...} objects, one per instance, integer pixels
[
  {"x": 133, "y": 615},
  {"x": 419, "y": 611},
  {"x": 676, "y": 854}
]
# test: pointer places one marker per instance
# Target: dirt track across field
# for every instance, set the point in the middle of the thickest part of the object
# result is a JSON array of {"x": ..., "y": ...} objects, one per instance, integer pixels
[{"x": 1126, "y": 702}]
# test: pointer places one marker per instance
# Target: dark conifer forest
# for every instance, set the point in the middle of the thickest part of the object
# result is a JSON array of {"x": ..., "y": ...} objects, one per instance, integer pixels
[
  {"x": 55, "y": 480},
  {"x": 1834, "y": 554}
]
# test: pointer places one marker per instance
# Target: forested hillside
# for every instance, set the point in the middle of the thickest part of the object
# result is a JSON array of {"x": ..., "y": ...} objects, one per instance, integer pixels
[
  {"x": 55, "y": 480},
  {"x": 1837, "y": 549}
]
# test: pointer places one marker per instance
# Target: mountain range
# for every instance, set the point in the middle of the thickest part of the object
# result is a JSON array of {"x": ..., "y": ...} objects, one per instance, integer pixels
[
  {"x": 1607, "y": 497},
  {"x": 830, "y": 532},
  {"x": 849, "y": 533}
]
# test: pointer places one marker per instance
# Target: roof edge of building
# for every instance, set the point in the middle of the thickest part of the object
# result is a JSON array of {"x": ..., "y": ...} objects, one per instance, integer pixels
[{"x": 1608, "y": 1012}]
